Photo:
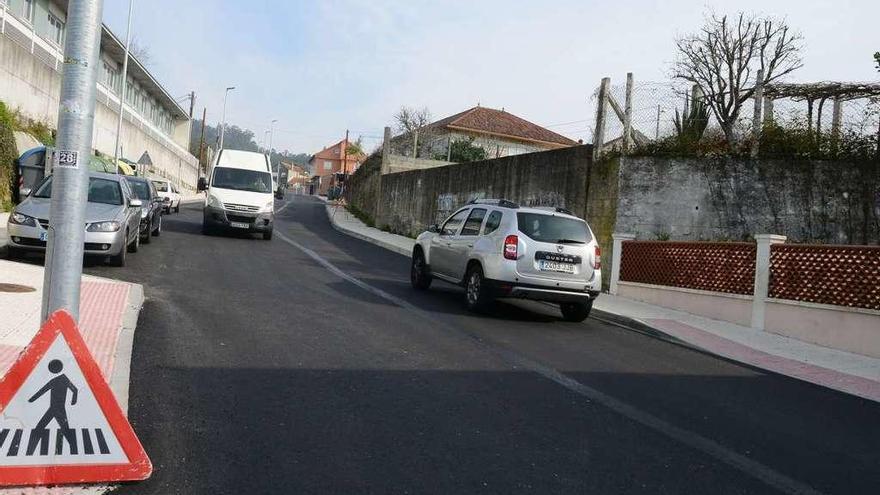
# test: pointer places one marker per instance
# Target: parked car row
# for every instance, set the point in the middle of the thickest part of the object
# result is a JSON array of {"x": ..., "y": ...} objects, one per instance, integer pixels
[{"x": 122, "y": 212}]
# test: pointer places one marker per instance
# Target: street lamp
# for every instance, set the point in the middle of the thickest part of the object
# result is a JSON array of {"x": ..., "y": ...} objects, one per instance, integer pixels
[
  {"x": 123, "y": 86},
  {"x": 223, "y": 120}
]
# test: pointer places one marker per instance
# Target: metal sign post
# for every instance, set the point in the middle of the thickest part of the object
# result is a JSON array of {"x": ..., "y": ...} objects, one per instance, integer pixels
[{"x": 70, "y": 183}]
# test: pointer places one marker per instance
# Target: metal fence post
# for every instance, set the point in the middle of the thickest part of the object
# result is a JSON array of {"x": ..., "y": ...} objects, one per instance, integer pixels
[
  {"x": 616, "y": 258},
  {"x": 76, "y": 115},
  {"x": 762, "y": 276}
]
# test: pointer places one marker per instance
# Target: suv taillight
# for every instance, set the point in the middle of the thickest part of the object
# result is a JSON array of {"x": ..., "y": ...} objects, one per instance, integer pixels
[
  {"x": 510, "y": 247},
  {"x": 597, "y": 259}
]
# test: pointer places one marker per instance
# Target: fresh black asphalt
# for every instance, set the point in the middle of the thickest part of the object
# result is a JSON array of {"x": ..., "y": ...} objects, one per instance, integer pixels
[{"x": 256, "y": 369}]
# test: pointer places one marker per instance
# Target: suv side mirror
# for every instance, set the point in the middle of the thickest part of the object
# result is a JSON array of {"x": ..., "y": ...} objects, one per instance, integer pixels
[
  {"x": 203, "y": 184},
  {"x": 135, "y": 203},
  {"x": 434, "y": 229}
]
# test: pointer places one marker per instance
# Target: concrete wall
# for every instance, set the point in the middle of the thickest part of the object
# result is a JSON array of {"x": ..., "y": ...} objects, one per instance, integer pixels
[
  {"x": 849, "y": 329},
  {"x": 30, "y": 84},
  {"x": 411, "y": 201},
  {"x": 398, "y": 163},
  {"x": 733, "y": 199}
]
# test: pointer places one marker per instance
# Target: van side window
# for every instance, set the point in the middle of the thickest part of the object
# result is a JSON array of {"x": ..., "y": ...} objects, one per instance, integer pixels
[
  {"x": 474, "y": 222},
  {"x": 493, "y": 222}
]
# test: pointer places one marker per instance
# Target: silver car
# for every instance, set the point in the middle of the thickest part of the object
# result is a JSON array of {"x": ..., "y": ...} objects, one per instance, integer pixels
[
  {"x": 113, "y": 217},
  {"x": 497, "y": 249}
]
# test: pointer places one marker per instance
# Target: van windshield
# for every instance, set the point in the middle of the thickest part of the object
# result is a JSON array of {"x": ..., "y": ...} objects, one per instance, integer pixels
[
  {"x": 242, "y": 180},
  {"x": 550, "y": 228}
]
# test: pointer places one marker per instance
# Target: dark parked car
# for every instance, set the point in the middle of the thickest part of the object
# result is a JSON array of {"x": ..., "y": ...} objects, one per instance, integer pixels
[{"x": 151, "y": 210}]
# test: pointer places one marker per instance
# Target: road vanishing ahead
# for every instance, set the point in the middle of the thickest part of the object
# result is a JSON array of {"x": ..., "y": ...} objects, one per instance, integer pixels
[{"x": 308, "y": 365}]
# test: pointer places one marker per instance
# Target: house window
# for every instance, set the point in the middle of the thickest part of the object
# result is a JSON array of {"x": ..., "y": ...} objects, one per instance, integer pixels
[
  {"x": 56, "y": 29},
  {"x": 29, "y": 9},
  {"x": 328, "y": 165}
]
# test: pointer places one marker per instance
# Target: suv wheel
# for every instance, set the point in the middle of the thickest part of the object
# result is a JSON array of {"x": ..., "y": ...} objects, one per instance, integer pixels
[
  {"x": 476, "y": 293},
  {"x": 418, "y": 273},
  {"x": 576, "y": 312}
]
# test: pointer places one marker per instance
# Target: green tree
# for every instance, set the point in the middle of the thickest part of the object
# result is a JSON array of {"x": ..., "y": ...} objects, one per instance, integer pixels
[
  {"x": 8, "y": 153},
  {"x": 463, "y": 150}
]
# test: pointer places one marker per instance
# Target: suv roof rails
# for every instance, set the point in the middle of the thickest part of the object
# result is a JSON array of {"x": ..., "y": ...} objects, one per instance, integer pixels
[{"x": 497, "y": 202}]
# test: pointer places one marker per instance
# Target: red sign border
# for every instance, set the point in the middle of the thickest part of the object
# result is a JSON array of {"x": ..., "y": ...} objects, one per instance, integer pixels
[{"x": 138, "y": 466}]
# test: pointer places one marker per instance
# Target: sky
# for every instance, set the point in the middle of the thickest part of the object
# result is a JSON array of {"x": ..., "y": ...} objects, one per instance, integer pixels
[{"x": 321, "y": 67}]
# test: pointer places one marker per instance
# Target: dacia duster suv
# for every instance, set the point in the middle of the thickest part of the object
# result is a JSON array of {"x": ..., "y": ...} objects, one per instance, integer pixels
[{"x": 498, "y": 249}]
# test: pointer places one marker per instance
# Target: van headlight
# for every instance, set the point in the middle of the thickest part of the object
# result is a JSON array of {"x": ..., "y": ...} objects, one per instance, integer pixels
[
  {"x": 110, "y": 226},
  {"x": 213, "y": 201},
  {"x": 268, "y": 208},
  {"x": 22, "y": 219}
]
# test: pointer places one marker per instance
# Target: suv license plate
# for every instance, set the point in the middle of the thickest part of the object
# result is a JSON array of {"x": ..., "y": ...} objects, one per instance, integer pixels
[
  {"x": 239, "y": 225},
  {"x": 555, "y": 266}
]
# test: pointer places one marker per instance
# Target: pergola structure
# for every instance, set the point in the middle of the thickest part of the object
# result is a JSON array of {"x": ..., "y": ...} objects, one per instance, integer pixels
[{"x": 820, "y": 92}]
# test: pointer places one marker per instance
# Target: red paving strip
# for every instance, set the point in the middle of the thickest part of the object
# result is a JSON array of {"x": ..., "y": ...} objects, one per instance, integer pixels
[
  {"x": 851, "y": 384},
  {"x": 102, "y": 305}
]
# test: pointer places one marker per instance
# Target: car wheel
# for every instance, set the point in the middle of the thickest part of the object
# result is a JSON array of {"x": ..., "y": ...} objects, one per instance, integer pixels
[
  {"x": 177, "y": 208},
  {"x": 136, "y": 245},
  {"x": 418, "y": 273},
  {"x": 576, "y": 312},
  {"x": 267, "y": 236},
  {"x": 158, "y": 230},
  {"x": 147, "y": 237},
  {"x": 119, "y": 258},
  {"x": 477, "y": 295}
]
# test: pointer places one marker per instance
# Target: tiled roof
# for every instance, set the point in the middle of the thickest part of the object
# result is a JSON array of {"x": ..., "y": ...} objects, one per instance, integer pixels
[{"x": 501, "y": 123}]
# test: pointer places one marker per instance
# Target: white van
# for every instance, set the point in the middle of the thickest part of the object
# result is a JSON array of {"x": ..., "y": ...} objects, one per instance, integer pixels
[{"x": 239, "y": 193}]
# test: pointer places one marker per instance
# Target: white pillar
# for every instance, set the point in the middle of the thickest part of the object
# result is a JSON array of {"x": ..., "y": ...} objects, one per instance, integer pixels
[
  {"x": 762, "y": 276},
  {"x": 616, "y": 256}
]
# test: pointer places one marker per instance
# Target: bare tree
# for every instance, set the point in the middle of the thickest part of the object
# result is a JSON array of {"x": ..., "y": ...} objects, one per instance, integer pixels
[
  {"x": 140, "y": 52},
  {"x": 413, "y": 122},
  {"x": 723, "y": 59}
]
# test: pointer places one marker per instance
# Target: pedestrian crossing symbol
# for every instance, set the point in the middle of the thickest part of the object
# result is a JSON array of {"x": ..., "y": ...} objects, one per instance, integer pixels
[{"x": 59, "y": 420}]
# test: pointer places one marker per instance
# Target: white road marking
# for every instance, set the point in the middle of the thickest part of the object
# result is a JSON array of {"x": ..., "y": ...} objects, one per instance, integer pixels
[{"x": 694, "y": 440}]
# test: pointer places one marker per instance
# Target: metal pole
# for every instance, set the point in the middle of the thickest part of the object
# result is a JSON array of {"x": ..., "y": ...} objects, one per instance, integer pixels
[
  {"x": 202, "y": 142},
  {"x": 76, "y": 116},
  {"x": 223, "y": 120},
  {"x": 657, "y": 130},
  {"x": 123, "y": 85}
]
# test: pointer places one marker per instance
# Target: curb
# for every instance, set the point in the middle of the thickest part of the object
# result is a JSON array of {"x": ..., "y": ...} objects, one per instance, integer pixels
[
  {"x": 120, "y": 380},
  {"x": 383, "y": 244}
]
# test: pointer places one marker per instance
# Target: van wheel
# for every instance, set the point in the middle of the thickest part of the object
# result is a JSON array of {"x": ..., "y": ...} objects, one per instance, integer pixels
[
  {"x": 576, "y": 312},
  {"x": 177, "y": 208},
  {"x": 267, "y": 236},
  {"x": 476, "y": 294},
  {"x": 136, "y": 245},
  {"x": 418, "y": 273}
]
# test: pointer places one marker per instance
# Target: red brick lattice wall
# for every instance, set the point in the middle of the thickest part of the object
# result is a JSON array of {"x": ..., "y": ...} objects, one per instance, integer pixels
[
  {"x": 712, "y": 266},
  {"x": 839, "y": 275}
]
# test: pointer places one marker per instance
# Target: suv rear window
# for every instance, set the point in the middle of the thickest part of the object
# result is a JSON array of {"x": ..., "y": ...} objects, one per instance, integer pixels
[{"x": 551, "y": 228}]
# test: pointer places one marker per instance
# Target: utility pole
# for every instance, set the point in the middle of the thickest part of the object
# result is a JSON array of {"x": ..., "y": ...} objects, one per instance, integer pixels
[
  {"x": 202, "y": 142},
  {"x": 123, "y": 86},
  {"x": 76, "y": 117},
  {"x": 223, "y": 120},
  {"x": 657, "y": 130},
  {"x": 278, "y": 167}
]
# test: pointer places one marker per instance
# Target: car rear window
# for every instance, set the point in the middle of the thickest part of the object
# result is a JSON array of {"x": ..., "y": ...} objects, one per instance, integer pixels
[{"x": 552, "y": 228}]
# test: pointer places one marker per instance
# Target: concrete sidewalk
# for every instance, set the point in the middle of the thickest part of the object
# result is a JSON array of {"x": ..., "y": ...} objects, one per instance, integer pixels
[
  {"x": 108, "y": 316},
  {"x": 844, "y": 371}
]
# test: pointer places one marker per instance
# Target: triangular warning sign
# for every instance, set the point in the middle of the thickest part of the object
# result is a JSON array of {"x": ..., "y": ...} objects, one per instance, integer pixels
[{"x": 59, "y": 420}]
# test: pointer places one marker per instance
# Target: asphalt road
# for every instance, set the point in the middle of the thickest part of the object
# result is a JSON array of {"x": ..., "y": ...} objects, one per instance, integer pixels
[{"x": 308, "y": 365}]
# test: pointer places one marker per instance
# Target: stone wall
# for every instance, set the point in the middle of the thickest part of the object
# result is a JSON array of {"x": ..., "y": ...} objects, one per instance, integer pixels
[
  {"x": 411, "y": 201},
  {"x": 733, "y": 199}
]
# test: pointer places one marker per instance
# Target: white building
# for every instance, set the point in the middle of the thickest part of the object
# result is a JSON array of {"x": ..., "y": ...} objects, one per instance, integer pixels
[{"x": 31, "y": 55}]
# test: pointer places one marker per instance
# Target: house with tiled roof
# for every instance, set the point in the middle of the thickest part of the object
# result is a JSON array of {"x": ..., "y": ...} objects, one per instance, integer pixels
[
  {"x": 331, "y": 162},
  {"x": 499, "y": 132}
]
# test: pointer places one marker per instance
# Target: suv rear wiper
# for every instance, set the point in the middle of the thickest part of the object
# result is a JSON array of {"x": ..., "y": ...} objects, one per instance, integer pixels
[{"x": 569, "y": 241}]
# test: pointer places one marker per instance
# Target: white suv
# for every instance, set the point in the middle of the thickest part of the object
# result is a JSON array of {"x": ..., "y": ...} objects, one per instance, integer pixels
[{"x": 497, "y": 249}]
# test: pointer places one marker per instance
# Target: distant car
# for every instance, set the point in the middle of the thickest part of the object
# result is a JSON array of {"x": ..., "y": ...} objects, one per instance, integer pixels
[
  {"x": 169, "y": 194},
  {"x": 151, "y": 210},
  {"x": 113, "y": 217},
  {"x": 497, "y": 249}
]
